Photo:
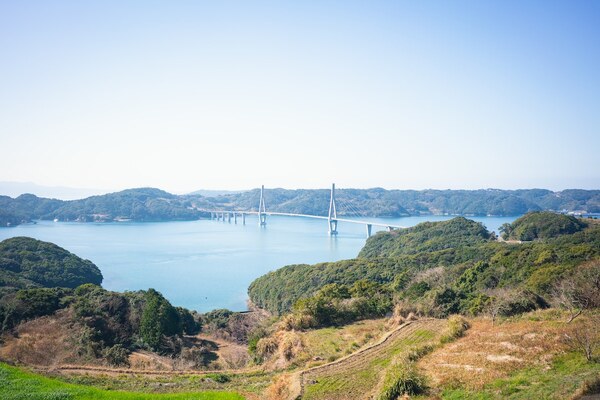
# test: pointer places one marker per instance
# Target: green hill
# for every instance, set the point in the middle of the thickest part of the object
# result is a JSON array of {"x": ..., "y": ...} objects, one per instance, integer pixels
[
  {"x": 439, "y": 268},
  {"x": 28, "y": 263},
  {"x": 542, "y": 225},
  {"x": 426, "y": 237},
  {"x": 141, "y": 204}
]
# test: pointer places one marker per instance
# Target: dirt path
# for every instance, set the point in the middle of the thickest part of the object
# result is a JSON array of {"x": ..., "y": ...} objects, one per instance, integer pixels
[{"x": 74, "y": 368}]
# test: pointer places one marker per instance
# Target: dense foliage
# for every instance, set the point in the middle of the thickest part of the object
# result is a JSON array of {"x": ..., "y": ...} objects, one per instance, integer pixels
[
  {"x": 229, "y": 325},
  {"x": 27, "y": 304},
  {"x": 336, "y": 304},
  {"x": 29, "y": 263},
  {"x": 25, "y": 208},
  {"x": 144, "y": 204},
  {"x": 148, "y": 204},
  {"x": 426, "y": 237},
  {"x": 159, "y": 318},
  {"x": 469, "y": 275},
  {"x": 542, "y": 225}
]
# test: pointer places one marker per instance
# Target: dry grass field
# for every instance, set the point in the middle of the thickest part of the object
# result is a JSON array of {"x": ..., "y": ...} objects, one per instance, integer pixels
[{"x": 520, "y": 358}]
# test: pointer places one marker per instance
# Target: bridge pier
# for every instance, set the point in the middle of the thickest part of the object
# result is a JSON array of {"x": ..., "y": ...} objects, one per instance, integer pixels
[
  {"x": 223, "y": 216},
  {"x": 369, "y": 226},
  {"x": 243, "y": 219},
  {"x": 235, "y": 217},
  {"x": 333, "y": 227},
  {"x": 229, "y": 217}
]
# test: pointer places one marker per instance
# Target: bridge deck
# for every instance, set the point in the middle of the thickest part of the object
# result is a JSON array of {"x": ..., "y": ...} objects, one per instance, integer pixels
[{"x": 352, "y": 221}]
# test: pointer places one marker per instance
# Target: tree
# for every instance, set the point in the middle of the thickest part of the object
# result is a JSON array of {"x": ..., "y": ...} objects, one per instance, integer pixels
[
  {"x": 159, "y": 318},
  {"x": 496, "y": 305},
  {"x": 579, "y": 291},
  {"x": 505, "y": 230},
  {"x": 565, "y": 295},
  {"x": 584, "y": 337}
]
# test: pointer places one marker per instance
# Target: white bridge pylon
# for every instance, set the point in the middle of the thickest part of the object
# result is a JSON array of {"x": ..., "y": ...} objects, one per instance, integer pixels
[
  {"x": 262, "y": 210},
  {"x": 332, "y": 218}
]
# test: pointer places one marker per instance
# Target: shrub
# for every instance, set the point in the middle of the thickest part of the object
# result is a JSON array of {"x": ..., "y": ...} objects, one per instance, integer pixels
[
  {"x": 457, "y": 326},
  {"x": 116, "y": 355},
  {"x": 417, "y": 353},
  {"x": 402, "y": 379},
  {"x": 199, "y": 356},
  {"x": 266, "y": 346},
  {"x": 219, "y": 378}
]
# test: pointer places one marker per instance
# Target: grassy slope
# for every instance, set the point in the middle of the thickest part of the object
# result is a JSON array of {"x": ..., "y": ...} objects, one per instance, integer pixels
[
  {"x": 329, "y": 344},
  {"x": 18, "y": 384},
  {"x": 357, "y": 376},
  {"x": 520, "y": 358}
]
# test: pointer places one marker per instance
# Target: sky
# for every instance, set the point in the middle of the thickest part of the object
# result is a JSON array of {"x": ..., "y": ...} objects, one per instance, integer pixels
[{"x": 187, "y": 95}]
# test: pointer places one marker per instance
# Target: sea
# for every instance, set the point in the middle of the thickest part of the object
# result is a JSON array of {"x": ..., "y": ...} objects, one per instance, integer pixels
[{"x": 207, "y": 264}]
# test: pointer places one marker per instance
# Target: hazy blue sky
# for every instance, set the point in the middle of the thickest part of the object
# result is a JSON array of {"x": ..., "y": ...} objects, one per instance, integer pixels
[{"x": 184, "y": 95}]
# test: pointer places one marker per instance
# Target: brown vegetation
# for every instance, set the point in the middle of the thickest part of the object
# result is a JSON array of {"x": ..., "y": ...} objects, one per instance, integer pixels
[
  {"x": 54, "y": 341},
  {"x": 284, "y": 386},
  {"x": 488, "y": 352},
  {"x": 45, "y": 341}
]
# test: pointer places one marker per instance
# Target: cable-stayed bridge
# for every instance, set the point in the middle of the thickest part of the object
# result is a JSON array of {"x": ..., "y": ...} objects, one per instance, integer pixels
[{"x": 332, "y": 217}]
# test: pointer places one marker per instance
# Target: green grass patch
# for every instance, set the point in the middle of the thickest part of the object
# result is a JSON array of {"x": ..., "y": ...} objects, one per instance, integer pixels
[{"x": 16, "y": 384}]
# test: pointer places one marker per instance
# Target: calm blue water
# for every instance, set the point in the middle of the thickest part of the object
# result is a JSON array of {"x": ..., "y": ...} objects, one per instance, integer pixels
[{"x": 205, "y": 265}]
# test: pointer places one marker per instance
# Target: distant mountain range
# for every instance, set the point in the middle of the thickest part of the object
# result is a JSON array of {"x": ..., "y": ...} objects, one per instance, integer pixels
[
  {"x": 14, "y": 189},
  {"x": 149, "y": 204},
  {"x": 215, "y": 193}
]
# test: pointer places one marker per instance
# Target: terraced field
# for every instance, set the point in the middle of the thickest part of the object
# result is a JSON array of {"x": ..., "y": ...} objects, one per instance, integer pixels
[{"x": 359, "y": 375}]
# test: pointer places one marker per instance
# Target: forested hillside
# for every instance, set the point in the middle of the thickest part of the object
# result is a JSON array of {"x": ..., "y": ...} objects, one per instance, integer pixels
[
  {"x": 29, "y": 263},
  {"x": 440, "y": 268},
  {"x": 427, "y": 237},
  {"x": 542, "y": 225},
  {"x": 144, "y": 204},
  {"x": 379, "y": 202},
  {"x": 148, "y": 204}
]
